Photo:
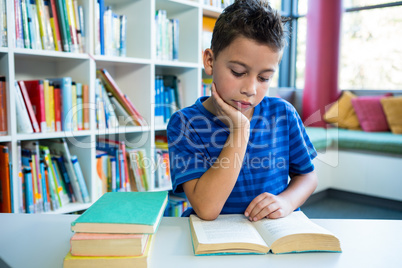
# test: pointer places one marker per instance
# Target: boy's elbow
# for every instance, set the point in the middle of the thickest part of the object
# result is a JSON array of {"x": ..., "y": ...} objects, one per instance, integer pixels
[{"x": 207, "y": 214}]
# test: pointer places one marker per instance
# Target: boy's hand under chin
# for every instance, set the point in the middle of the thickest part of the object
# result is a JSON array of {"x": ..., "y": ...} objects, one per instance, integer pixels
[{"x": 232, "y": 117}]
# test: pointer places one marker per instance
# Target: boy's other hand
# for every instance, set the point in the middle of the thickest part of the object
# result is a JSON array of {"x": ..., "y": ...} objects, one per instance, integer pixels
[
  {"x": 232, "y": 117},
  {"x": 267, "y": 205}
]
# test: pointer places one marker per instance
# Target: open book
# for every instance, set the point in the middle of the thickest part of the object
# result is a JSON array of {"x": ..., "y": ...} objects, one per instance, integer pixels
[{"x": 235, "y": 234}]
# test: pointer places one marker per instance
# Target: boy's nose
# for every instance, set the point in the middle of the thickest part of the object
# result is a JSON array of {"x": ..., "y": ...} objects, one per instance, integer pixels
[{"x": 249, "y": 88}]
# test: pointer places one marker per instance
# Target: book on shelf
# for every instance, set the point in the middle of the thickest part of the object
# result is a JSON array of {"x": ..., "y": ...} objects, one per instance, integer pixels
[
  {"x": 123, "y": 212},
  {"x": 235, "y": 234},
  {"x": 5, "y": 182},
  {"x": 35, "y": 91},
  {"x": 60, "y": 147},
  {"x": 112, "y": 87},
  {"x": 139, "y": 173},
  {"x": 31, "y": 157},
  {"x": 167, "y": 36},
  {"x": 140, "y": 261},
  {"x": 94, "y": 244},
  {"x": 54, "y": 22},
  {"x": 22, "y": 115},
  {"x": 29, "y": 107},
  {"x": 3, "y": 24},
  {"x": 3, "y": 106}
]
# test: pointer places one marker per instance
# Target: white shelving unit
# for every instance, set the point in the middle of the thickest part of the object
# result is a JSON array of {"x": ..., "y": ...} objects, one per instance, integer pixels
[{"x": 135, "y": 75}]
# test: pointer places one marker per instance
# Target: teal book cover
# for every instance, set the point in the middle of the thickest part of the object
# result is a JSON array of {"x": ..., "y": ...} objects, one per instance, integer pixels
[{"x": 123, "y": 212}]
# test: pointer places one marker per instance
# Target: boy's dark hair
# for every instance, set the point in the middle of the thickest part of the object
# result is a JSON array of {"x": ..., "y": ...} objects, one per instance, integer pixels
[{"x": 253, "y": 19}]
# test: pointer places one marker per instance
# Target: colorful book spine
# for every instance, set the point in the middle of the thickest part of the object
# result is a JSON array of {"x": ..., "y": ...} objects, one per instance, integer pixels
[
  {"x": 3, "y": 106},
  {"x": 57, "y": 106},
  {"x": 28, "y": 105},
  {"x": 72, "y": 26},
  {"x": 123, "y": 36},
  {"x": 65, "y": 84},
  {"x": 36, "y": 95},
  {"x": 54, "y": 21},
  {"x": 25, "y": 25},
  {"x": 74, "y": 105},
  {"x": 29, "y": 199},
  {"x": 85, "y": 109},
  {"x": 79, "y": 107},
  {"x": 5, "y": 194},
  {"x": 36, "y": 42},
  {"x": 64, "y": 26},
  {"x": 80, "y": 177},
  {"x": 19, "y": 34},
  {"x": 82, "y": 29}
]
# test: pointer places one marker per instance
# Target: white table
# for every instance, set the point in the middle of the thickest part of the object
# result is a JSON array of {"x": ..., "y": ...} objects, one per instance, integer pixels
[{"x": 43, "y": 241}]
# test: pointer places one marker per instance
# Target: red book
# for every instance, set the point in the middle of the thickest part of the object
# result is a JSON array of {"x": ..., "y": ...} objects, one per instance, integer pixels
[
  {"x": 29, "y": 107},
  {"x": 3, "y": 106},
  {"x": 5, "y": 194},
  {"x": 113, "y": 88},
  {"x": 57, "y": 106},
  {"x": 37, "y": 97}
]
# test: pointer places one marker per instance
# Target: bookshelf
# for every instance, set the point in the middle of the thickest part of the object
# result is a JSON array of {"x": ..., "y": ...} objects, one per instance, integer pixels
[{"x": 135, "y": 74}]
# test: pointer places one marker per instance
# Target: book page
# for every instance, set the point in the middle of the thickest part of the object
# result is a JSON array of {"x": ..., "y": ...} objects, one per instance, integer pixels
[
  {"x": 295, "y": 223},
  {"x": 226, "y": 229}
]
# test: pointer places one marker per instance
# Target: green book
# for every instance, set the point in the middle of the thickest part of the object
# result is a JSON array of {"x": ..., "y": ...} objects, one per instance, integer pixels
[{"x": 123, "y": 212}]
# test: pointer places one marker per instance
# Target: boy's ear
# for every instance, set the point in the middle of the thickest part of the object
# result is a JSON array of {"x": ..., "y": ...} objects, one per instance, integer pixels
[{"x": 208, "y": 60}]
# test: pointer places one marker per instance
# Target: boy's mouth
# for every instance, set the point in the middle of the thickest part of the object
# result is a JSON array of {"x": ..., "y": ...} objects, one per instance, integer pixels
[{"x": 242, "y": 104}]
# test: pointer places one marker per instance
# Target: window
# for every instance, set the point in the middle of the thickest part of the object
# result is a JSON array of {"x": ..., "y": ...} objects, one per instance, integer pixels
[{"x": 371, "y": 50}]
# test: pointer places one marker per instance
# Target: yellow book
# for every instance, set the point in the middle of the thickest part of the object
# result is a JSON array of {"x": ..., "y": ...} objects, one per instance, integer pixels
[
  {"x": 49, "y": 105},
  {"x": 74, "y": 102},
  {"x": 141, "y": 261},
  {"x": 47, "y": 43}
]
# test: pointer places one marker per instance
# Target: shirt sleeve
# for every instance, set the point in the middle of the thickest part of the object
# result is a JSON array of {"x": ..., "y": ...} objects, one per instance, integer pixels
[
  {"x": 187, "y": 154},
  {"x": 301, "y": 150}
]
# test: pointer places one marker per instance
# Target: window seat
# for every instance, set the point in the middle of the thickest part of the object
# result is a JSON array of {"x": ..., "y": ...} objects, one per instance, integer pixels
[{"x": 358, "y": 161}]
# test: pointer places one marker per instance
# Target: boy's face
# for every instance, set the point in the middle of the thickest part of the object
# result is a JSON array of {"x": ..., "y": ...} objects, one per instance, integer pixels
[{"x": 242, "y": 72}]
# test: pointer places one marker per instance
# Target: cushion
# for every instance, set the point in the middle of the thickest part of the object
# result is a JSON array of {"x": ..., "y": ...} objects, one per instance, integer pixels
[
  {"x": 342, "y": 113},
  {"x": 393, "y": 112},
  {"x": 370, "y": 113}
]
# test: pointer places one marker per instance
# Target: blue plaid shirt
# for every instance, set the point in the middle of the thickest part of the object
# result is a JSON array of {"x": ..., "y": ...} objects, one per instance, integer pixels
[{"x": 278, "y": 145}]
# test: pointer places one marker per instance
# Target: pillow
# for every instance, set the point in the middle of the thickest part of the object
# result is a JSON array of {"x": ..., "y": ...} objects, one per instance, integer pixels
[
  {"x": 393, "y": 112},
  {"x": 342, "y": 112},
  {"x": 370, "y": 113}
]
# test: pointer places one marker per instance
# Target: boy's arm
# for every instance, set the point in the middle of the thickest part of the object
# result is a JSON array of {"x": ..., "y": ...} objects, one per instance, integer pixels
[
  {"x": 300, "y": 187},
  {"x": 209, "y": 193}
]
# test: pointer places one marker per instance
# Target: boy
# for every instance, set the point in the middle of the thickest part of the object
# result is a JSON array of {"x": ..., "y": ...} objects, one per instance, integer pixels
[{"x": 234, "y": 151}]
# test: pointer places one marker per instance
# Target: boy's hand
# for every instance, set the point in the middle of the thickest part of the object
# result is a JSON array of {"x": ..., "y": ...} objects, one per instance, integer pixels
[
  {"x": 269, "y": 206},
  {"x": 232, "y": 117}
]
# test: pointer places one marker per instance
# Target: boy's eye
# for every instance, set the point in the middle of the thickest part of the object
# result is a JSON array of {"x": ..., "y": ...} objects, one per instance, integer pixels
[
  {"x": 263, "y": 79},
  {"x": 237, "y": 74}
]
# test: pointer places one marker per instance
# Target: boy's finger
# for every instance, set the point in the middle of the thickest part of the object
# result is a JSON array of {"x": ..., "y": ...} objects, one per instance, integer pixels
[{"x": 258, "y": 203}]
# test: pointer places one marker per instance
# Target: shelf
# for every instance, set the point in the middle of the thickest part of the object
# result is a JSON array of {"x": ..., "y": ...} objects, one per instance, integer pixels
[
  {"x": 131, "y": 129},
  {"x": 53, "y": 135},
  {"x": 3, "y": 49},
  {"x": 69, "y": 208},
  {"x": 176, "y": 64},
  {"x": 43, "y": 54},
  {"x": 5, "y": 138},
  {"x": 119, "y": 60}
]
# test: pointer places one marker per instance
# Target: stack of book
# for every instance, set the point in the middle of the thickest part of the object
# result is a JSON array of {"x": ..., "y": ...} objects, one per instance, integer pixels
[{"x": 117, "y": 230}]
